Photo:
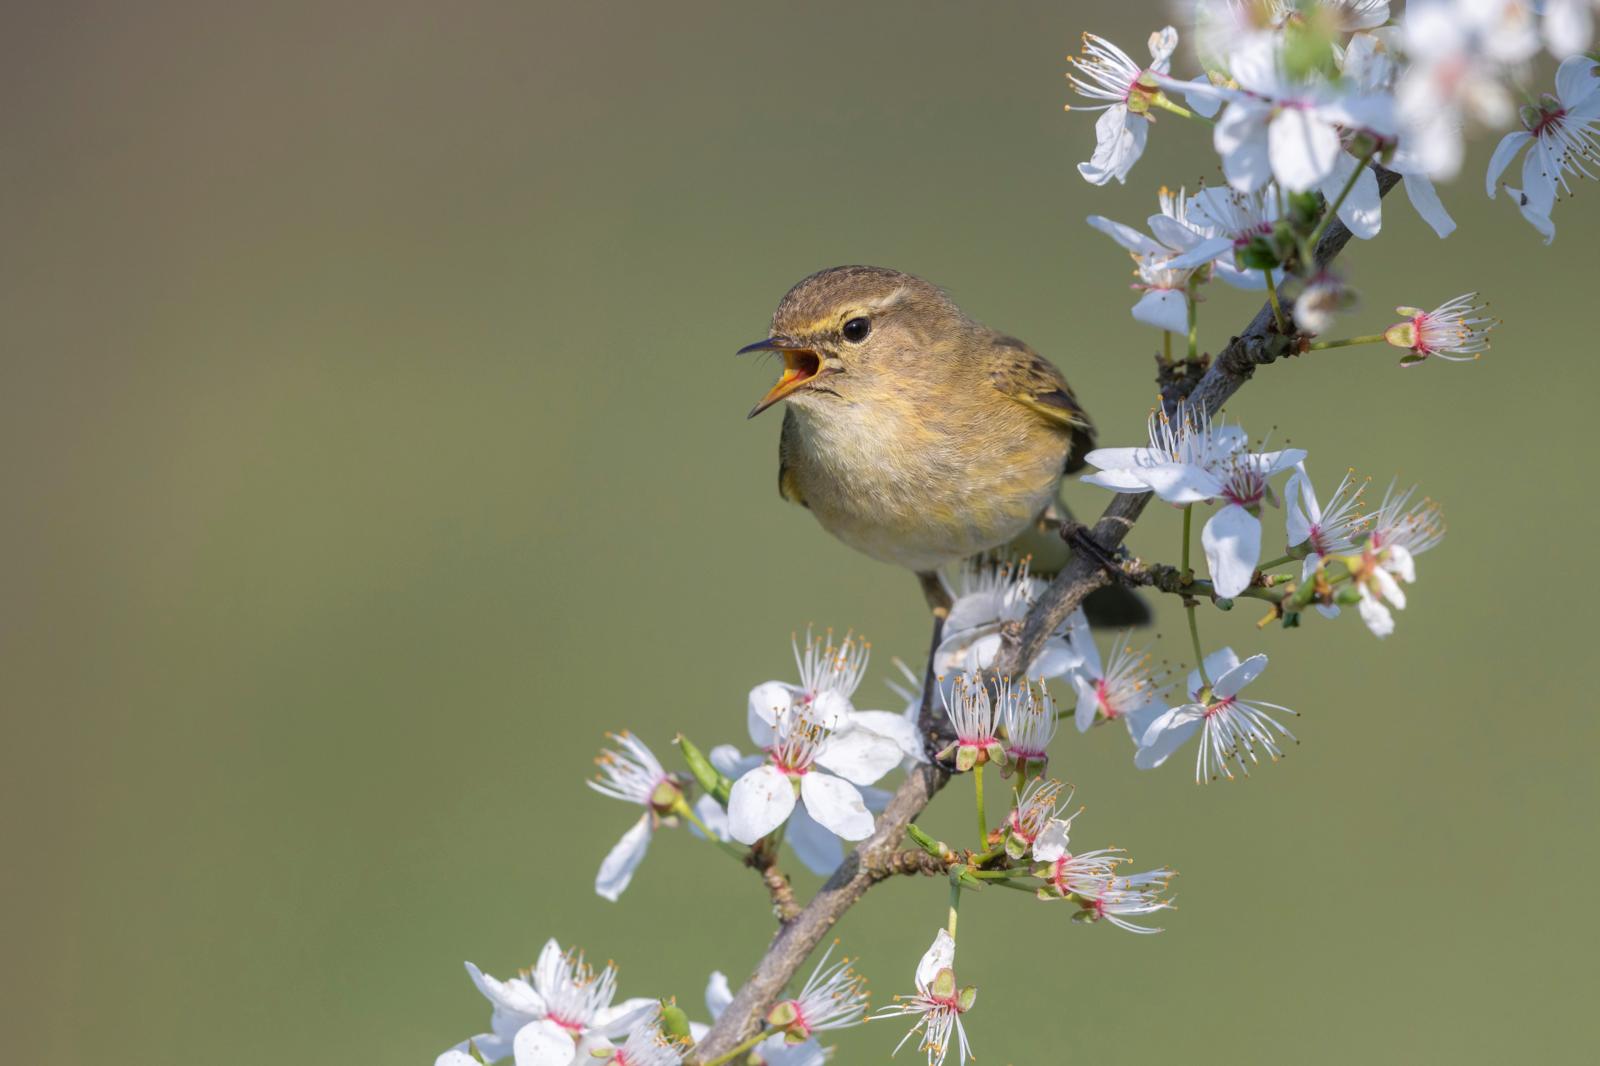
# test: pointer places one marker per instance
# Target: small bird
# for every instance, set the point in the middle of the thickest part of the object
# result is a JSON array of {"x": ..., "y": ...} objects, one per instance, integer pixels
[{"x": 913, "y": 433}]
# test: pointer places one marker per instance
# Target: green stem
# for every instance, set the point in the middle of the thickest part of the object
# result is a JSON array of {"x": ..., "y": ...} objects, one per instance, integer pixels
[
  {"x": 1188, "y": 524},
  {"x": 1160, "y": 100},
  {"x": 983, "y": 822},
  {"x": 1365, "y": 338},
  {"x": 1199, "y": 656},
  {"x": 741, "y": 1049},
  {"x": 1279, "y": 561},
  {"x": 1331, "y": 211},
  {"x": 1272, "y": 298},
  {"x": 1189, "y": 602},
  {"x": 955, "y": 903},
  {"x": 683, "y": 809}
]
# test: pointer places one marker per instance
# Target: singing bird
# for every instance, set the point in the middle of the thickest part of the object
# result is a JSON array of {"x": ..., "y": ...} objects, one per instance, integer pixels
[{"x": 913, "y": 433}]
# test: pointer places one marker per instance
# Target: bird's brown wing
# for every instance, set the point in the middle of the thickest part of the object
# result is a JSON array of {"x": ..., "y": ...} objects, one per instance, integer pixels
[{"x": 1033, "y": 381}]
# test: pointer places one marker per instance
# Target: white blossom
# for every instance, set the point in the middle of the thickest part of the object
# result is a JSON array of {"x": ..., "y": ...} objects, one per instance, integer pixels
[
  {"x": 809, "y": 763},
  {"x": 555, "y": 1014},
  {"x": 1125, "y": 687},
  {"x": 1561, "y": 135},
  {"x": 1105, "y": 72},
  {"x": 990, "y": 595},
  {"x": 1229, "y": 727},
  {"x": 1277, "y": 126},
  {"x": 1189, "y": 461},
  {"x": 1035, "y": 826},
  {"x": 937, "y": 1005},
  {"x": 1455, "y": 330},
  {"x": 633, "y": 775},
  {"x": 1325, "y": 531}
]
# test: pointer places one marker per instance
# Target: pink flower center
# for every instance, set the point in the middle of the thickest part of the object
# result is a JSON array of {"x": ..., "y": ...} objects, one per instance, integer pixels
[
  {"x": 1102, "y": 697},
  {"x": 1546, "y": 120},
  {"x": 1219, "y": 706},
  {"x": 573, "y": 1027},
  {"x": 1058, "y": 875}
]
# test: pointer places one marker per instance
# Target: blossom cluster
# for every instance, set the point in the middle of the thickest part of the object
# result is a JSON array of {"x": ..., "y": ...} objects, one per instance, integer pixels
[
  {"x": 1305, "y": 100},
  {"x": 561, "y": 1012},
  {"x": 1310, "y": 104}
]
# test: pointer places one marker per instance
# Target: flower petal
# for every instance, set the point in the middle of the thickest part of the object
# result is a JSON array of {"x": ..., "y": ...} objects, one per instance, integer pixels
[
  {"x": 616, "y": 869},
  {"x": 1217, "y": 663},
  {"x": 1119, "y": 142},
  {"x": 1362, "y": 210},
  {"x": 624, "y": 1017},
  {"x": 1228, "y": 685},
  {"x": 1300, "y": 507},
  {"x": 1126, "y": 235},
  {"x": 1164, "y": 308},
  {"x": 898, "y": 728},
  {"x": 1504, "y": 153},
  {"x": 1088, "y": 703},
  {"x": 712, "y": 815},
  {"x": 817, "y": 849},
  {"x": 718, "y": 994},
  {"x": 940, "y": 956},
  {"x": 1056, "y": 659},
  {"x": 859, "y": 755},
  {"x": 837, "y": 805},
  {"x": 768, "y": 701},
  {"x": 1204, "y": 252},
  {"x": 1232, "y": 542},
  {"x": 1240, "y": 138},
  {"x": 1576, "y": 81},
  {"x": 1375, "y": 614},
  {"x": 759, "y": 803},
  {"x": 1052, "y": 841},
  {"x": 1303, "y": 147},
  {"x": 514, "y": 997},
  {"x": 543, "y": 1043},
  {"x": 1167, "y": 734},
  {"x": 1425, "y": 199},
  {"x": 1182, "y": 483}
]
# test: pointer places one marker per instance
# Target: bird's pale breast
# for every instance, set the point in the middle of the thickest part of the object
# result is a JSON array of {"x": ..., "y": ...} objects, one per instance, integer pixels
[{"x": 922, "y": 486}]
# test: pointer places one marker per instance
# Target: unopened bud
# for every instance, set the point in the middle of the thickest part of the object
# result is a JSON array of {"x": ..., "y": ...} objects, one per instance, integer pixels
[{"x": 674, "y": 1022}]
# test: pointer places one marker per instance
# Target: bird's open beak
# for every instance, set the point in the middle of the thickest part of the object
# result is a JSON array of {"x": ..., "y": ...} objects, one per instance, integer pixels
[{"x": 800, "y": 365}]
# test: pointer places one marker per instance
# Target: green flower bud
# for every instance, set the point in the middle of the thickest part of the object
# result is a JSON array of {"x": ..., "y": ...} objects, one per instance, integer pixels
[
  {"x": 674, "y": 1022},
  {"x": 706, "y": 775}
]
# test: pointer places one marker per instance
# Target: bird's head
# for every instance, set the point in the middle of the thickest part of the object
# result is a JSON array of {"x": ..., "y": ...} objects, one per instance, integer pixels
[{"x": 845, "y": 331}]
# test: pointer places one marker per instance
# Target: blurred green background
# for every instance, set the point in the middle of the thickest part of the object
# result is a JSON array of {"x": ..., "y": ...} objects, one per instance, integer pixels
[{"x": 372, "y": 442}]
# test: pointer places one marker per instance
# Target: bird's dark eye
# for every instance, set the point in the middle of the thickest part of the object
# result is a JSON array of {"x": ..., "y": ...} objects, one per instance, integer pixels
[{"x": 856, "y": 330}]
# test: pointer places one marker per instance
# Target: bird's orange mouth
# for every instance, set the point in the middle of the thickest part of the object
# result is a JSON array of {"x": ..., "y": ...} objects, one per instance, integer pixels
[{"x": 800, "y": 365}]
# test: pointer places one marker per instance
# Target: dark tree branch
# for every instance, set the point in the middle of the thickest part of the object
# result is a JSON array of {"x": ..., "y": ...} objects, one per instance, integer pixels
[{"x": 1259, "y": 344}]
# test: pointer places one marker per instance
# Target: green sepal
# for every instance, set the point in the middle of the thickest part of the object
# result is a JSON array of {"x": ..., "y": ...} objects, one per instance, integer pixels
[
  {"x": 782, "y": 1015},
  {"x": 707, "y": 776}
]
